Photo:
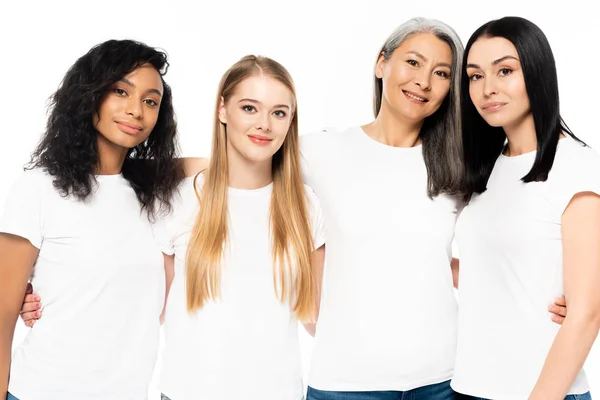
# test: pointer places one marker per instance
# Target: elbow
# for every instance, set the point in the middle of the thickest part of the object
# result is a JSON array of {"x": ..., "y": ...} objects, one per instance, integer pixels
[{"x": 584, "y": 319}]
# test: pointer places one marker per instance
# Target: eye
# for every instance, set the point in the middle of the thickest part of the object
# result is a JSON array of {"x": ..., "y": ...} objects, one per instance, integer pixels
[
  {"x": 412, "y": 62},
  {"x": 504, "y": 71},
  {"x": 280, "y": 114},
  {"x": 119, "y": 92},
  {"x": 442, "y": 74},
  {"x": 151, "y": 102},
  {"x": 475, "y": 77},
  {"x": 248, "y": 108}
]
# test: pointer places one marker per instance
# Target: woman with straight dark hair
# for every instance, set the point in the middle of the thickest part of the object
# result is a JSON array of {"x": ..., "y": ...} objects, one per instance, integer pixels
[
  {"x": 531, "y": 229},
  {"x": 77, "y": 223}
]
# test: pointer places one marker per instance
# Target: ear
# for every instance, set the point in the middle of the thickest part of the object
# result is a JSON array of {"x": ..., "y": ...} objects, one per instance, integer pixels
[
  {"x": 379, "y": 66},
  {"x": 222, "y": 113}
]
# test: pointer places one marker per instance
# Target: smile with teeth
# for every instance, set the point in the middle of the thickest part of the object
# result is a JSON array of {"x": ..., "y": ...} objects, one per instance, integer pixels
[{"x": 414, "y": 97}]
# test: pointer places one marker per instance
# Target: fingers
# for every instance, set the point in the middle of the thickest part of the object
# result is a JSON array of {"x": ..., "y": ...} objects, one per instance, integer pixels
[
  {"x": 29, "y": 318},
  {"x": 30, "y": 303},
  {"x": 558, "y": 319},
  {"x": 31, "y": 310},
  {"x": 560, "y": 301},
  {"x": 558, "y": 311}
]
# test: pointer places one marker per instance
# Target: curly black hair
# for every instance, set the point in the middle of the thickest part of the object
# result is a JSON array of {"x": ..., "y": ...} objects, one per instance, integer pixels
[{"x": 68, "y": 149}]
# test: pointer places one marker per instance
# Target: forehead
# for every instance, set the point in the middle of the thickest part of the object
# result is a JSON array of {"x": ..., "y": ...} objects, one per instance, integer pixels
[
  {"x": 264, "y": 89},
  {"x": 145, "y": 77},
  {"x": 428, "y": 45},
  {"x": 487, "y": 49}
]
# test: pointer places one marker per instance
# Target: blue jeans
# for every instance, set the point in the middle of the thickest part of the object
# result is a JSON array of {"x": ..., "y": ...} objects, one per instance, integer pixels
[
  {"x": 438, "y": 391},
  {"x": 585, "y": 396},
  {"x": 11, "y": 397}
]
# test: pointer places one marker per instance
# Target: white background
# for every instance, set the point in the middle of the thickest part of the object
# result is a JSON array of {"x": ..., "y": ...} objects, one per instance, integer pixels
[{"x": 328, "y": 46}]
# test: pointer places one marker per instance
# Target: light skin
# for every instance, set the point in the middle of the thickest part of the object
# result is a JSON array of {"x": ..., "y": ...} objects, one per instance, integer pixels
[
  {"x": 125, "y": 119},
  {"x": 258, "y": 116},
  {"x": 416, "y": 80},
  {"x": 497, "y": 89}
]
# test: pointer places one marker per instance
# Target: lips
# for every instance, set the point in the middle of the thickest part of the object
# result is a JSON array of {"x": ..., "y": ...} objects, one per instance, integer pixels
[
  {"x": 260, "y": 139},
  {"x": 415, "y": 97},
  {"x": 493, "y": 106},
  {"x": 128, "y": 127}
]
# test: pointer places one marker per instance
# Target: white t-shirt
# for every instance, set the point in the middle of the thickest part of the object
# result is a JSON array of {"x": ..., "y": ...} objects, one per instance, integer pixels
[
  {"x": 245, "y": 345},
  {"x": 388, "y": 312},
  {"x": 101, "y": 278},
  {"x": 509, "y": 239}
]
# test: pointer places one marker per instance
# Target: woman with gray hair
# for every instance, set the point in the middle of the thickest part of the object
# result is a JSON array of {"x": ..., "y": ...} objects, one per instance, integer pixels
[{"x": 388, "y": 317}]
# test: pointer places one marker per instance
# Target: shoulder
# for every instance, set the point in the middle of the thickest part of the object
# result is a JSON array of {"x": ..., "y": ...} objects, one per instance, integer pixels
[
  {"x": 313, "y": 203},
  {"x": 194, "y": 165},
  {"x": 34, "y": 181},
  {"x": 575, "y": 159}
]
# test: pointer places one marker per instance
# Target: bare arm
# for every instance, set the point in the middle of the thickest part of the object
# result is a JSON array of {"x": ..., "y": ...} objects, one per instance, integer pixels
[
  {"x": 581, "y": 264},
  {"x": 454, "y": 265},
  {"x": 319, "y": 257},
  {"x": 17, "y": 256},
  {"x": 169, "y": 274}
]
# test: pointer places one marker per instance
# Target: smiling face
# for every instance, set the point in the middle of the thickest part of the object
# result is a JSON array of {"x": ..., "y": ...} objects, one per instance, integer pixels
[
  {"x": 257, "y": 117},
  {"x": 129, "y": 110},
  {"x": 416, "y": 78},
  {"x": 496, "y": 82}
]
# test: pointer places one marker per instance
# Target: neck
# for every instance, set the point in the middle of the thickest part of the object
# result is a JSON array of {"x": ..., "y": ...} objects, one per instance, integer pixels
[
  {"x": 521, "y": 137},
  {"x": 392, "y": 129},
  {"x": 245, "y": 174},
  {"x": 110, "y": 157}
]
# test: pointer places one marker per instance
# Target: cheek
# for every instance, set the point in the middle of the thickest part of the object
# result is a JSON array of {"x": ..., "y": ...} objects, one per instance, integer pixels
[
  {"x": 473, "y": 93},
  {"x": 240, "y": 122},
  {"x": 441, "y": 91},
  {"x": 151, "y": 119},
  {"x": 394, "y": 75}
]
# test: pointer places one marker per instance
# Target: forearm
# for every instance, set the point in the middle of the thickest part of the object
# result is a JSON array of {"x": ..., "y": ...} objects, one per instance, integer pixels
[
  {"x": 454, "y": 266},
  {"x": 7, "y": 331},
  {"x": 565, "y": 359},
  {"x": 17, "y": 257},
  {"x": 169, "y": 261}
]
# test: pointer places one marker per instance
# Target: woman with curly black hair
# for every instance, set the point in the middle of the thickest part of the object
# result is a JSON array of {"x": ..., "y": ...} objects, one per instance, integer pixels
[{"x": 72, "y": 224}]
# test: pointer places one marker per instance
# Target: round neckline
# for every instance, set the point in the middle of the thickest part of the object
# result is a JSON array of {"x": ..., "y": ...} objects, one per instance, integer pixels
[
  {"x": 530, "y": 153},
  {"x": 250, "y": 191},
  {"x": 367, "y": 138},
  {"x": 108, "y": 177}
]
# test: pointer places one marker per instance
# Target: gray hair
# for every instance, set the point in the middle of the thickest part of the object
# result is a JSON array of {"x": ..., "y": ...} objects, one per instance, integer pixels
[
  {"x": 412, "y": 27},
  {"x": 441, "y": 132}
]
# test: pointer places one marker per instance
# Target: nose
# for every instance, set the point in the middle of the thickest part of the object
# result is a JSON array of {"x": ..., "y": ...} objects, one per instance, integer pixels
[
  {"x": 423, "y": 80},
  {"x": 263, "y": 123},
  {"x": 134, "y": 108},
  {"x": 489, "y": 86}
]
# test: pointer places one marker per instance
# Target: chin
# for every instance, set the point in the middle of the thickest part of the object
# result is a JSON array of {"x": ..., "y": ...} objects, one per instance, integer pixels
[{"x": 495, "y": 122}]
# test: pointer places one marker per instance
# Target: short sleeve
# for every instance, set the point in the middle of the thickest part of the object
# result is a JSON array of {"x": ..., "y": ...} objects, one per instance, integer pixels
[
  {"x": 577, "y": 174},
  {"x": 311, "y": 146},
  {"x": 168, "y": 227},
  {"x": 317, "y": 223},
  {"x": 161, "y": 230},
  {"x": 23, "y": 211}
]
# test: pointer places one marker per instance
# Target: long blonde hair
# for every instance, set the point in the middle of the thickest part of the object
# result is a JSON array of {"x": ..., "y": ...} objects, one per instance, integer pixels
[{"x": 290, "y": 228}]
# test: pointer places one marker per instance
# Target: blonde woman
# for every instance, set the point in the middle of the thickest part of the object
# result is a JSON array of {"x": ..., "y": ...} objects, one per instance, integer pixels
[{"x": 243, "y": 242}]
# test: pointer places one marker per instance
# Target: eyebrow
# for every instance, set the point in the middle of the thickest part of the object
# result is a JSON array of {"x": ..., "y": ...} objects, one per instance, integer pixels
[
  {"x": 128, "y": 82},
  {"x": 258, "y": 102},
  {"x": 422, "y": 57},
  {"x": 495, "y": 62}
]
